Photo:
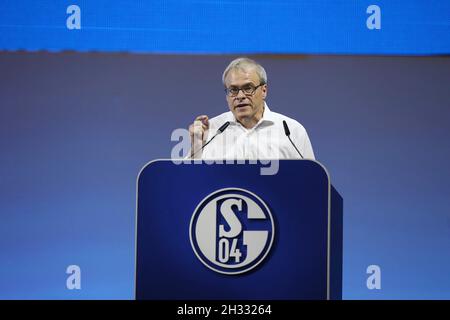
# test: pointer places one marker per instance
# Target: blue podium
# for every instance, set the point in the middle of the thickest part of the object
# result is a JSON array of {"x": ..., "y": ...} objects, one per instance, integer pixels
[{"x": 227, "y": 232}]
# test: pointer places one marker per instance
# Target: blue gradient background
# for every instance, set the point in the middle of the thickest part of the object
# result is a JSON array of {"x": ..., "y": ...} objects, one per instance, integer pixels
[
  {"x": 415, "y": 27},
  {"x": 76, "y": 128}
]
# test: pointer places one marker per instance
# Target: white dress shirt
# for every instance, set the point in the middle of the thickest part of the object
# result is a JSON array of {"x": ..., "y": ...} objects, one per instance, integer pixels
[{"x": 266, "y": 140}]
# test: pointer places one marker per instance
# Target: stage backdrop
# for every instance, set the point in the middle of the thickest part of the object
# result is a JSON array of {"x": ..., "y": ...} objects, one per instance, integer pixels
[{"x": 76, "y": 128}]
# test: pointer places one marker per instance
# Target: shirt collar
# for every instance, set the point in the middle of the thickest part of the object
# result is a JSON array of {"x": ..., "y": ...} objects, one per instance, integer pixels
[{"x": 268, "y": 117}]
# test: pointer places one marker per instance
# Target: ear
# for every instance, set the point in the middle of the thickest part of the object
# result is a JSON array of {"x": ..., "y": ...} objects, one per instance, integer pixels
[{"x": 264, "y": 91}]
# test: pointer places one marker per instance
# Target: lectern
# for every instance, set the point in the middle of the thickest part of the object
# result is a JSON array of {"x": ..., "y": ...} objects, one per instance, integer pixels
[{"x": 225, "y": 231}]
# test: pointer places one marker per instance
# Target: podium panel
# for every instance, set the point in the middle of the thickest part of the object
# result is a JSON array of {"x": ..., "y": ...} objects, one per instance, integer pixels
[{"x": 224, "y": 231}]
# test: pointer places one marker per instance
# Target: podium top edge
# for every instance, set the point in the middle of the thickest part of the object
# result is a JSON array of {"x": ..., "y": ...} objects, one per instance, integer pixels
[{"x": 179, "y": 161}]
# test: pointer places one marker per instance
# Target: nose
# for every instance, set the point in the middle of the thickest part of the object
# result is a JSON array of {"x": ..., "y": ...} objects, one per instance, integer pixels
[{"x": 241, "y": 94}]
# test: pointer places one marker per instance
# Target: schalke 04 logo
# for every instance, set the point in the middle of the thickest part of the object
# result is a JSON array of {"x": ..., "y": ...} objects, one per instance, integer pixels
[{"x": 231, "y": 231}]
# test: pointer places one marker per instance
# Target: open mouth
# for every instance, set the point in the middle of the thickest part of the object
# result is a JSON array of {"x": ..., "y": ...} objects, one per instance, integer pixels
[{"x": 241, "y": 105}]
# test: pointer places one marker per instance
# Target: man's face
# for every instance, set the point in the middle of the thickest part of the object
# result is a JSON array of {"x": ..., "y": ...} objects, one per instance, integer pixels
[{"x": 245, "y": 106}]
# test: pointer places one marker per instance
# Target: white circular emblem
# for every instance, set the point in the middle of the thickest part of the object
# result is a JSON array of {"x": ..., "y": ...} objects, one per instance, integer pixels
[{"x": 231, "y": 231}]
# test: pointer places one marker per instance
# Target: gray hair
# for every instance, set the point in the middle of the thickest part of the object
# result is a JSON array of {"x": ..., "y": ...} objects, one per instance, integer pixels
[{"x": 245, "y": 64}]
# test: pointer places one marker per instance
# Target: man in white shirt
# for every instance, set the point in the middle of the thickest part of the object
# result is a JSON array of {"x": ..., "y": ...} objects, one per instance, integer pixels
[{"x": 254, "y": 131}]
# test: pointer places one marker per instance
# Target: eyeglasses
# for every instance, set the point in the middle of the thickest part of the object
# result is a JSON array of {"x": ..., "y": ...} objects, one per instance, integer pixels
[{"x": 248, "y": 90}]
